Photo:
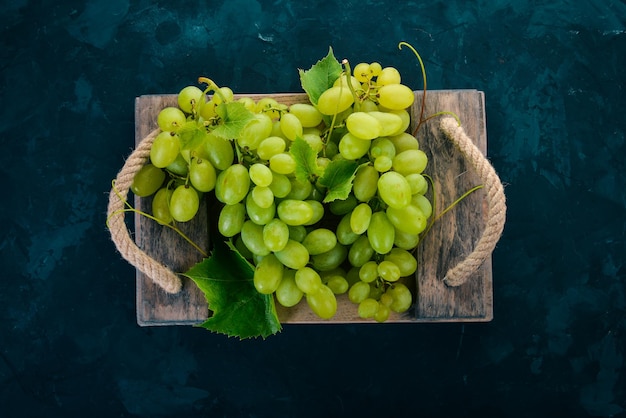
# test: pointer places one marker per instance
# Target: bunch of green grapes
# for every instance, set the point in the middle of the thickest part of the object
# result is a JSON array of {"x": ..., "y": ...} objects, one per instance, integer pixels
[{"x": 301, "y": 247}]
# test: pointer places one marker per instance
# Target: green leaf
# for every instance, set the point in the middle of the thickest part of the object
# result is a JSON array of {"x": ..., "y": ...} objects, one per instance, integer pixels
[
  {"x": 191, "y": 135},
  {"x": 338, "y": 177},
  {"x": 320, "y": 76},
  {"x": 306, "y": 160},
  {"x": 239, "y": 310},
  {"x": 234, "y": 116}
]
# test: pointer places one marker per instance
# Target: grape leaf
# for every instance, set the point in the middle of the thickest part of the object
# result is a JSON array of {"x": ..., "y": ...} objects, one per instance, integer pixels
[
  {"x": 239, "y": 310},
  {"x": 191, "y": 135},
  {"x": 320, "y": 76},
  {"x": 338, "y": 177},
  {"x": 306, "y": 160},
  {"x": 234, "y": 116}
]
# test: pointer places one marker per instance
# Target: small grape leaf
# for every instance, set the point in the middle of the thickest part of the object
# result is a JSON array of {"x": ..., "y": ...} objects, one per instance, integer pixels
[
  {"x": 191, "y": 135},
  {"x": 320, "y": 76},
  {"x": 338, "y": 177},
  {"x": 239, "y": 310},
  {"x": 234, "y": 116},
  {"x": 306, "y": 160}
]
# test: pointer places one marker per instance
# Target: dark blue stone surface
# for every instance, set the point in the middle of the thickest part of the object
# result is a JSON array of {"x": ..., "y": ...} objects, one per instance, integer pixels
[{"x": 554, "y": 77}]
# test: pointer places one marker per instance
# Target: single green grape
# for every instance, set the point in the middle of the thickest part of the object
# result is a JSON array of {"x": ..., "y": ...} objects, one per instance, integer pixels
[
  {"x": 275, "y": 234},
  {"x": 202, "y": 175},
  {"x": 260, "y": 174},
  {"x": 358, "y": 292},
  {"x": 360, "y": 218},
  {"x": 271, "y": 146},
  {"x": 381, "y": 232},
  {"x": 395, "y": 96},
  {"x": 404, "y": 141},
  {"x": 405, "y": 261},
  {"x": 262, "y": 196},
  {"x": 418, "y": 183},
  {"x": 363, "y": 125},
  {"x": 294, "y": 212},
  {"x": 161, "y": 206},
  {"x": 184, "y": 203},
  {"x": 219, "y": 151},
  {"x": 308, "y": 280},
  {"x": 330, "y": 259},
  {"x": 255, "y": 131},
  {"x": 360, "y": 252},
  {"x": 388, "y": 75},
  {"x": 189, "y": 98},
  {"x": 308, "y": 115},
  {"x": 283, "y": 163},
  {"x": 367, "y": 308},
  {"x": 362, "y": 72},
  {"x": 268, "y": 274},
  {"x": 231, "y": 219},
  {"x": 335, "y": 100},
  {"x": 287, "y": 293},
  {"x": 171, "y": 119},
  {"x": 352, "y": 147},
  {"x": 405, "y": 240},
  {"x": 164, "y": 149},
  {"x": 390, "y": 123},
  {"x": 382, "y": 313},
  {"x": 409, "y": 219},
  {"x": 320, "y": 241},
  {"x": 365, "y": 183},
  {"x": 423, "y": 204},
  {"x": 394, "y": 189},
  {"x": 294, "y": 255},
  {"x": 280, "y": 185},
  {"x": 232, "y": 184},
  {"x": 252, "y": 237},
  {"x": 402, "y": 298},
  {"x": 258, "y": 214},
  {"x": 341, "y": 207},
  {"x": 322, "y": 302},
  {"x": 369, "y": 271},
  {"x": 389, "y": 271},
  {"x": 410, "y": 161},
  {"x": 147, "y": 180},
  {"x": 344, "y": 232},
  {"x": 291, "y": 126}
]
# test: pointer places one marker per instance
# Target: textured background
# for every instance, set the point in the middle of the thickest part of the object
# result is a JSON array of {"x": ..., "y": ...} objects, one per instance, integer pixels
[{"x": 554, "y": 79}]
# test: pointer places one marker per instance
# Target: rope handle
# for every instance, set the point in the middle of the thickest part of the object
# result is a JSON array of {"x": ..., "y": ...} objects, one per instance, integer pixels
[
  {"x": 171, "y": 283},
  {"x": 496, "y": 203},
  {"x": 120, "y": 234}
]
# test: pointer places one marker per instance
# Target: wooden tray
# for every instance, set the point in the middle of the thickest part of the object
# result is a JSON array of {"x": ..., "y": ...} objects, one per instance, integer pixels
[{"x": 448, "y": 242}]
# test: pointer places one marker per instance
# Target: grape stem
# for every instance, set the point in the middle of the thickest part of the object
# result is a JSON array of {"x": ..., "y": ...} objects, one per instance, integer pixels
[
  {"x": 129, "y": 208},
  {"x": 419, "y": 58},
  {"x": 348, "y": 74}
]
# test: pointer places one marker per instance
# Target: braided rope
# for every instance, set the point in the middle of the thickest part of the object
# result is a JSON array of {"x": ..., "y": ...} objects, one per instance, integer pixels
[
  {"x": 496, "y": 214},
  {"x": 120, "y": 235}
]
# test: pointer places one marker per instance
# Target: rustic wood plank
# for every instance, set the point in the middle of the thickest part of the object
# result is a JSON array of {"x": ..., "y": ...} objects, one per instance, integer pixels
[{"x": 447, "y": 243}]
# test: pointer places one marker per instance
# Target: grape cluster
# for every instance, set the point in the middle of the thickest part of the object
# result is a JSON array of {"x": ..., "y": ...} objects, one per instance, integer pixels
[{"x": 303, "y": 247}]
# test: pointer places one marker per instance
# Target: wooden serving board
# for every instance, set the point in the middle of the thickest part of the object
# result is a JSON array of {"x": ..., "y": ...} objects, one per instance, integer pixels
[{"x": 447, "y": 243}]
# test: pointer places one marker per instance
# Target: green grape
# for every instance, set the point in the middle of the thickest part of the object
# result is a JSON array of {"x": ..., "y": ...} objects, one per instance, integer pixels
[
  {"x": 404, "y": 142},
  {"x": 252, "y": 237},
  {"x": 268, "y": 274},
  {"x": 395, "y": 96},
  {"x": 343, "y": 81},
  {"x": 291, "y": 126},
  {"x": 280, "y": 185},
  {"x": 423, "y": 204},
  {"x": 318, "y": 212},
  {"x": 161, "y": 206},
  {"x": 202, "y": 175},
  {"x": 409, "y": 219},
  {"x": 260, "y": 174},
  {"x": 262, "y": 196},
  {"x": 294, "y": 255},
  {"x": 353, "y": 148},
  {"x": 147, "y": 180},
  {"x": 171, "y": 119},
  {"x": 335, "y": 100},
  {"x": 369, "y": 271},
  {"x": 164, "y": 149},
  {"x": 418, "y": 183},
  {"x": 184, "y": 203},
  {"x": 179, "y": 166},
  {"x": 405, "y": 261},
  {"x": 257, "y": 214},
  {"x": 308, "y": 280},
  {"x": 288, "y": 294},
  {"x": 352, "y": 275},
  {"x": 362, "y": 72},
  {"x": 219, "y": 151},
  {"x": 360, "y": 218},
  {"x": 297, "y": 232},
  {"x": 323, "y": 302},
  {"x": 314, "y": 141},
  {"x": 358, "y": 292},
  {"x": 338, "y": 284},
  {"x": 367, "y": 308},
  {"x": 207, "y": 110},
  {"x": 405, "y": 117},
  {"x": 382, "y": 147},
  {"x": 410, "y": 161},
  {"x": 189, "y": 98},
  {"x": 255, "y": 131},
  {"x": 394, "y": 189},
  {"x": 283, "y": 163},
  {"x": 299, "y": 190},
  {"x": 294, "y": 212},
  {"x": 402, "y": 297},
  {"x": 331, "y": 259},
  {"x": 382, "y": 313},
  {"x": 223, "y": 95},
  {"x": 386, "y": 299},
  {"x": 365, "y": 183},
  {"x": 248, "y": 103},
  {"x": 308, "y": 115},
  {"x": 231, "y": 219},
  {"x": 369, "y": 106},
  {"x": 363, "y": 125},
  {"x": 331, "y": 150},
  {"x": 344, "y": 232},
  {"x": 383, "y": 164},
  {"x": 405, "y": 240},
  {"x": 232, "y": 184},
  {"x": 390, "y": 123},
  {"x": 389, "y": 271},
  {"x": 381, "y": 233},
  {"x": 360, "y": 252},
  {"x": 275, "y": 234},
  {"x": 375, "y": 68},
  {"x": 388, "y": 75},
  {"x": 341, "y": 207},
  {"x": 320, "y": 241},
  {"x": 269, "y": 106},
  {"x": 271, "y": 146},
  {"x": 376, "y": 290}
]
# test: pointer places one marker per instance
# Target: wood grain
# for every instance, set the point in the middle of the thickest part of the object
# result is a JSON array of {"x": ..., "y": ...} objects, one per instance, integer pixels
[{"x": 448, "y": 242}]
